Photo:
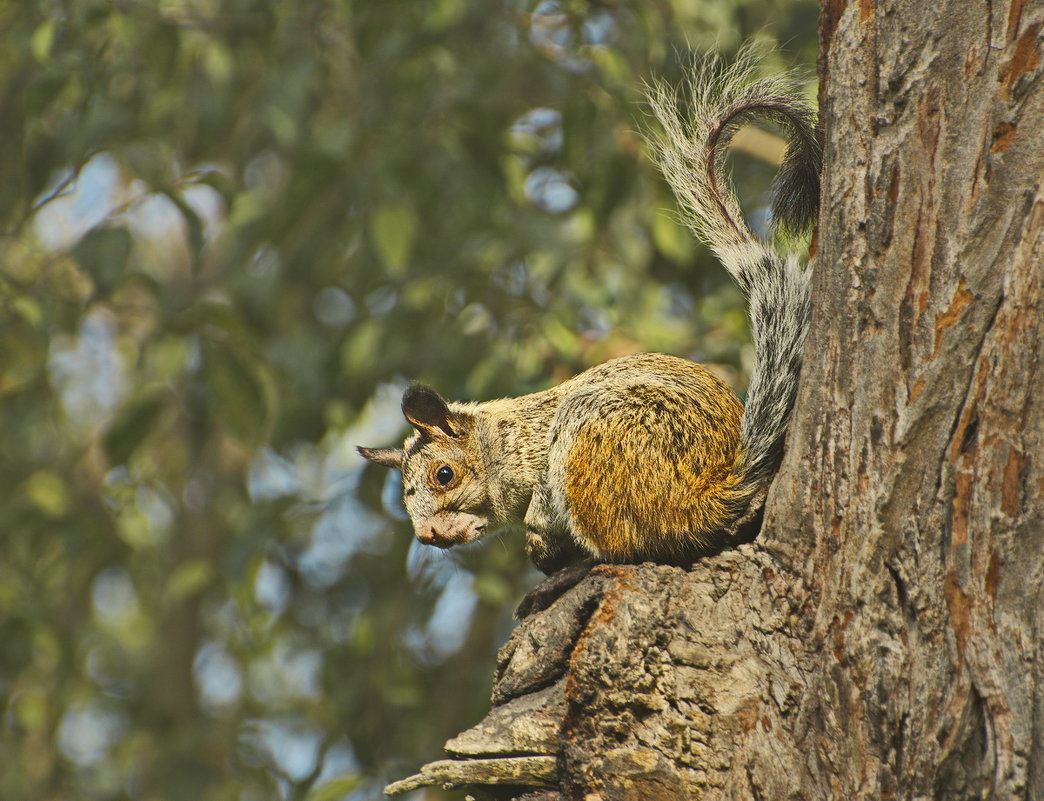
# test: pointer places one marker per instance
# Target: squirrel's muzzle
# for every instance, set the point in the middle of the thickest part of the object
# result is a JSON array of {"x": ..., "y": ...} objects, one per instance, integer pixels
[{"x": 445, "y": 529}]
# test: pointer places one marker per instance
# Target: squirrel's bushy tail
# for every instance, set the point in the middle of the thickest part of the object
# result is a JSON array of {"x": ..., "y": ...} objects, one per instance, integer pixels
[{"x": 696, "y": 129}]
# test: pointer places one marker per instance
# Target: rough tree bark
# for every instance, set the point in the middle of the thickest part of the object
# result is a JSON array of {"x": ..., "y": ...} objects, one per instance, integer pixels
[{"x": 884, "y": 636}]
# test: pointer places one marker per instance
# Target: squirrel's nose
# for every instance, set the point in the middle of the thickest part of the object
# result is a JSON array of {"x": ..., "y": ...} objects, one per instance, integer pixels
[{"x": 429, "y": 535}]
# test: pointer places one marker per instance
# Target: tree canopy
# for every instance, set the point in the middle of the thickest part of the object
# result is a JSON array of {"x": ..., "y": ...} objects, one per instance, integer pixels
[{"x": 230, "y": 231}]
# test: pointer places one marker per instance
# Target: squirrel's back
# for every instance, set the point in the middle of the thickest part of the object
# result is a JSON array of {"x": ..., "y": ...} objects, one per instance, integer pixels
[{"x": 641, "y": 457}]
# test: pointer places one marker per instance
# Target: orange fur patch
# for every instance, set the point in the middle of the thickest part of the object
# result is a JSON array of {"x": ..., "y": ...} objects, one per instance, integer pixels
[{"x": 654, "y": 472}]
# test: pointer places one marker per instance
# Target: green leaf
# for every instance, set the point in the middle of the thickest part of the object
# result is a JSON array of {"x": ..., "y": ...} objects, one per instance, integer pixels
[
  {"x": 24, "y": 355},
  {"x": 46, "y": 490},
  {"x": 220, "y": 182},
  {"x": 236, "y": 392},
  {"x": 672, "y": 239},
  {"x": 103, "y": 254},
  {"x": 360, "y": 347},
  {"x": 132, "y": 425},
  {"x": 16, "y": 634},
  {"x": 42, "y": 40},
  {"x": 612, "y": 65},
  {"x": 189, "y": 578},
  {"x": 334, "y": 790},
  {"x": 393, "y": 227},
  {"x": 192, "y": 222},
  {"x": 492, "y": 589}
]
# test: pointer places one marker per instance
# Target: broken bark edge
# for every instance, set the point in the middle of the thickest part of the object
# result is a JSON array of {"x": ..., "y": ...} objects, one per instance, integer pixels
[{"x": 452, "y": 774}]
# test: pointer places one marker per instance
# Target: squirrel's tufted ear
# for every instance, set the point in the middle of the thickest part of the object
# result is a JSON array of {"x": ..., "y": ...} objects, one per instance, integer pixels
[
  {"x": 388, "y": 457},
  {"x": 428, "y": 413}
]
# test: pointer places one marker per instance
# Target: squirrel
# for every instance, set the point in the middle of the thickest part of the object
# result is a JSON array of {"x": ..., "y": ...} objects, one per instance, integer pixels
[{"x": 646, "y": 457}]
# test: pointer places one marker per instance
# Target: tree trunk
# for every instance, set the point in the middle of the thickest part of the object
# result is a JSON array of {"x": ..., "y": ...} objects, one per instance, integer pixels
[
  {"x": 883, "y": 637},
  {"x": 915, "y": 458}
]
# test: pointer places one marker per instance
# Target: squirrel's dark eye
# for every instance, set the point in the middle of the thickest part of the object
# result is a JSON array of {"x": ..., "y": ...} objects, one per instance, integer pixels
[{"x": 444, "y": 475}]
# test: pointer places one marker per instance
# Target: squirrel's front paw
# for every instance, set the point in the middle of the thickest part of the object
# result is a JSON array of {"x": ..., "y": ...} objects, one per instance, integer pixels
[
  {"x": 549, "y": 553},
  {"x": 545, "y": 558}
]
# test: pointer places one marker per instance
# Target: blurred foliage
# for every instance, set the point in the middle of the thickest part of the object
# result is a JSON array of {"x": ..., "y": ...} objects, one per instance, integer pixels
[{"x": 230, "y": 230}]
